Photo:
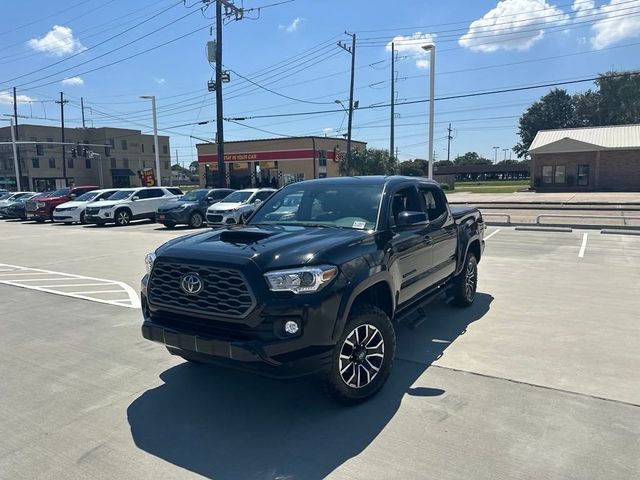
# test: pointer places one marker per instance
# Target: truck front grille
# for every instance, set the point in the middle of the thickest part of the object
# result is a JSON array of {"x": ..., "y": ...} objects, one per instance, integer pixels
[
  {"x": 31, "y": 206},
  {"x": 92, "y": 210},
  {"x": 225, "y": 292}
]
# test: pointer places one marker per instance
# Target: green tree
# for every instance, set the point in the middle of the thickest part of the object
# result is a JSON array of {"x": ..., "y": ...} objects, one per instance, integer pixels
[
  {"x": 193, "y": 167},
  {"x": 443, "y": 163},
  {"x": 471, "y": 158},
  {"x": 554, "y": 110},
  {"x": 368, "y": 161},
  {"x": 413, "y": 168}
]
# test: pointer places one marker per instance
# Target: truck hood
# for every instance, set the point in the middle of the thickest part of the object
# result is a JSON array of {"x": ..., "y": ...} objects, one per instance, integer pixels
[
  {"x": 170, "y": 205},
  {"x": 270, "y": 247},
  {"x": 52, "y": 199}
]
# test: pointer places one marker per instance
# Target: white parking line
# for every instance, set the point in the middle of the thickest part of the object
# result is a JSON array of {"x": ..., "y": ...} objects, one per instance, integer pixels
[
  {"x": 492, "y": 234},
  {"x": 583, "y": 246},
  {"x": 45, "y": 285}
]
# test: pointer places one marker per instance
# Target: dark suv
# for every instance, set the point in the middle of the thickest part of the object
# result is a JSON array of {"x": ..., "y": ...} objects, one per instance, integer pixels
[
  {"x": 320, "y": 290},
  {"x": 191, "y": 208}
]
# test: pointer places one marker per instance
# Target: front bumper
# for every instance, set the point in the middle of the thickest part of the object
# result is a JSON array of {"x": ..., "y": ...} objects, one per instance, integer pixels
[
  {"x": 39, "y": 214},
  {"x": 216, "y": 219},
  {"x": 100, "y": 218},
  {"x": 173, "y": 216},
  {"x": 66, "y": 216}
]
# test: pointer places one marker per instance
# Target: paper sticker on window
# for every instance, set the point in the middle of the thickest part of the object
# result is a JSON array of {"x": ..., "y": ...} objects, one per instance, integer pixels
[{"x": 359, "y": 225}]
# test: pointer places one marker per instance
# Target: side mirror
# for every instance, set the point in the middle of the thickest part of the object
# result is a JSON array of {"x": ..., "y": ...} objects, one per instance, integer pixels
[
  {"x": 72, "y": 196},
  {"x": 134, "y": 198},
  {"x": 409, "y": 219},
  {"x": 258, "y": 201}
]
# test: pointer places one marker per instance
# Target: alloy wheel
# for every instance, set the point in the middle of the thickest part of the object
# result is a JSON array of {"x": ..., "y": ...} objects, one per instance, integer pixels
[
  {"x": 122, "y": 218},
  {"x": 361, "y": 356},
  {"x": 470, "y": 280},
  {"x": 196, "y": 220}
]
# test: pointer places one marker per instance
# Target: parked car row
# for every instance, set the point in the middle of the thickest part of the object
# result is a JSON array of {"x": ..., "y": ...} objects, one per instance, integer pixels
[{"x": 168, "y": 206}]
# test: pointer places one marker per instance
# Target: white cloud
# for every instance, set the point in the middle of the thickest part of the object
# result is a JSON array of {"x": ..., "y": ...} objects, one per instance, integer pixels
[
  {"x": 160, "y": 81},
  {"x": 583, "y": 7},
  {"x": 293, "y": 26},
  {"x": 412, "y": 44},
  {"x": 73, "y": 81},
  {"x": 6, "y": 98},
  {"x": 615, "y": 24},
  {"x": 508, "y": 26},
  {"x": 59, "y": 41}
]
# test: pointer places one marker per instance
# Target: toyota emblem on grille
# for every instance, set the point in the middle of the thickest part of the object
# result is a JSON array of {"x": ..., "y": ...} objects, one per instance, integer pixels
[{"x": 191, "y": 284}]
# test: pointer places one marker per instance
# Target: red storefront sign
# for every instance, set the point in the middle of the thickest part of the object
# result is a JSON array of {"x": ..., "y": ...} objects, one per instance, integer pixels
[{"x": 264, "y": 156}]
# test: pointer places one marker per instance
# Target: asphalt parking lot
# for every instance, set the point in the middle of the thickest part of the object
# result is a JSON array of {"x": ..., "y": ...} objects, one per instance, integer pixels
[{"x": 540, "y": 378}]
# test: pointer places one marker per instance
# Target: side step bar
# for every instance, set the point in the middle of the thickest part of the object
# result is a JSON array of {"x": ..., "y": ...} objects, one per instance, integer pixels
[{"x": 440, "y": 293}]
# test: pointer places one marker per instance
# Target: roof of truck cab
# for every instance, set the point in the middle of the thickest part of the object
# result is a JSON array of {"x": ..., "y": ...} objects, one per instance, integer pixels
[{"x": 369, "y": 180}]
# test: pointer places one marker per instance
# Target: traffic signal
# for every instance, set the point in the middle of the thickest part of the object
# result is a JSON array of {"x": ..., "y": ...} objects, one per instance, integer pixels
[{"x": 73, "y": 152}]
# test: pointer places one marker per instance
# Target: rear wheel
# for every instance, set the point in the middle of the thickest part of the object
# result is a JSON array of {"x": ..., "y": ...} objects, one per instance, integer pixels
[
  {"x": 122, "y": 217},
  {"x": 82, "y": 219},
  {"x": 169, "y": 225},
  {"x": 363, "y": 357},
  {"x": 465, "y": 283},
  {"x": 196, "y": 220}
]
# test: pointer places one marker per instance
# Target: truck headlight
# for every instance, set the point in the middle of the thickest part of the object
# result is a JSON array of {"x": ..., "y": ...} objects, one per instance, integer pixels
[
  {"x": 40, "y": 204},
  {"x": 301, "y": 280},
  {"x": 149, "y": 260}
]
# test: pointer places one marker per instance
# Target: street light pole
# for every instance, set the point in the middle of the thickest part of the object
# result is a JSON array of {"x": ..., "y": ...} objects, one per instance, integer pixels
[
  {"x": 432, "y": 82},
  {"x": 155, "y": 137}
]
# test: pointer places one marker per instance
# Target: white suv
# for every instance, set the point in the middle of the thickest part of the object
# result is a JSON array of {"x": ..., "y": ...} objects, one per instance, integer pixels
[
  {"x": 73, "y": 211},
  {"x": 239, "y": 204},
  {"x": 128, "y": 204}
]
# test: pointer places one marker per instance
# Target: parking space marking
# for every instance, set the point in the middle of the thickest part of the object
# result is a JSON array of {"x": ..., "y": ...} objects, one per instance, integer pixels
[
  {"x": 584, "y": 245},
  {"x": 16, "y": 276},
  {"x": 492, "y": 234}
]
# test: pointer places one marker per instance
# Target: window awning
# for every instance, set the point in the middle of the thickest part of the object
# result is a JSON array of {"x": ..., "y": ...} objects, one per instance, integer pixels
[{"x": 122, "y": 172}]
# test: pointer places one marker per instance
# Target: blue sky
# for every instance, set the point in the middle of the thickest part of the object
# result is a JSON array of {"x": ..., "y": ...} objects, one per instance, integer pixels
[{"x": 290, "y": 49}]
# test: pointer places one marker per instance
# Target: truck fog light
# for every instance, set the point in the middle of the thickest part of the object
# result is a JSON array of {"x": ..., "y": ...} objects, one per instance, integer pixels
[{"x": 291, "y": 327}]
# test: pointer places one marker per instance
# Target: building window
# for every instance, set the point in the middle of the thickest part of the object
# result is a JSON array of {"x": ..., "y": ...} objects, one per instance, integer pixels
[
  {"x": 70, "y": 162},
  {"x": 142, "y": 147},
  {"x": 112, "y": 163},
  {"x": 547, "y": 174},
  {"x": 35, "y": 162},
  {"x": 293, "y": 177},
  {"x": 39, "y": 149},
  {"x": 166, "y": 165},
  {"x": 559, "y": 175},
  {"x": 50, "y": 142},
  {"x": 123, "y": 144},
  {"x": 322, "y": 175},
  {"x": 112, "y": 142},
  {"x": 583, "y": 175},
  {"x": 125, "y": 163},
  {"x": 107, "y": 151},
  {"x": 322, "y": 158},
  {"x": 153, "y": 148},
  {"x": 87, "y": 163},
  {"x": 165, "y": 149},
  {"x": 52, "y": 162}
]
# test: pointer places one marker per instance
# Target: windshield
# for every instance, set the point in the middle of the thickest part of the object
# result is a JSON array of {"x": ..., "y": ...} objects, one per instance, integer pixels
[
  {"x": 86, "y": 196},
  {"x": 61, "y": 193},
  {"x": 237, "y": 197},
  {"x": 342, "y": 206},
  {"x": 195, "y": 195},
  {"x": 121, "y": 195},
  {"x": 6, "y": 195}
]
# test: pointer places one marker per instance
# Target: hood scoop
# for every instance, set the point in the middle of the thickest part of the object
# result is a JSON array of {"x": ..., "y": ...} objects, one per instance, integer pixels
[{"x": 243, "y": 235}]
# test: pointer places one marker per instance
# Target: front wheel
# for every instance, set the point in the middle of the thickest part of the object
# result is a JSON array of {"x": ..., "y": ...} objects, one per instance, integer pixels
[
  {"x": 83, "y": 221},
  {"x": 465, "y": 283},
  {"x": 196, "y": 220},
  {"x": 363, "y": 357},
  {"x": 122, "y": 218}
]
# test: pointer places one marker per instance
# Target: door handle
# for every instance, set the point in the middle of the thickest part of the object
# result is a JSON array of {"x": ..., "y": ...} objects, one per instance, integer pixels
[{"x": 428, "y": 240}]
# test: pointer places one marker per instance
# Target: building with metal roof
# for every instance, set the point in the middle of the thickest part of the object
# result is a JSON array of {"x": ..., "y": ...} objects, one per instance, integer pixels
[{"x": 586, "y": 159}]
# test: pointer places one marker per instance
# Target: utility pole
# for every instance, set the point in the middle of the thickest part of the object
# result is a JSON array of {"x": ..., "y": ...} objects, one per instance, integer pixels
[
  {"x": 222, "y": 178},
  {"x": 352, "y": 51},
  {"x": 62, "y": 101},
  {"x": 449, "y": 138},
  {"x": 393, "y": 98},
  {"x": 82, "y": 108},
  {"x": 17, "y": 135},
  {"x": 495, "y": 156},
  {"x": 505, "y": 150}
]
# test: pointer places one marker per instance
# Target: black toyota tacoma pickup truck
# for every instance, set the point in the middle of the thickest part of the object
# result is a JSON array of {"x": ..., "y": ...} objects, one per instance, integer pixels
[{"x": 315, "y": 289}]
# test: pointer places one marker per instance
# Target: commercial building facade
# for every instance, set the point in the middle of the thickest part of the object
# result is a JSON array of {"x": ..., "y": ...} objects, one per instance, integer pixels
[
  {"x": 586, "y": 159},
  {"x": 273, "y": 162},
  {"x": 119, "y": 155}
]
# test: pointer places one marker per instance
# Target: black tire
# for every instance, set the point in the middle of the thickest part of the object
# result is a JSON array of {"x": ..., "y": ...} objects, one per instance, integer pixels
[
  {"x": 465, "y": 284},
  {"x": 169, "y": 225},
  {"x": 40, "y": 220},
  {"x": 350, "y": 366},
  {"x": 68, "y": 223},
  {"x": 83, "y": 221},
  {"x": 196, "y": 220},
  {"x": 122, "y": 217}
]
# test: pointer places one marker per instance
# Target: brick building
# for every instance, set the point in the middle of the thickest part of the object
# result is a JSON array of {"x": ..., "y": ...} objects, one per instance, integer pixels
[
  {"x": 273, "y": 162},
  {"x": 586, "y": 159},
  {"x": 117, "y": 163}
]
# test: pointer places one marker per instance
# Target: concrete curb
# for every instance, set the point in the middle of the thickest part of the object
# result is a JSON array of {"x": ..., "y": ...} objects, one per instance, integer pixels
[
  {"x": 563, "y": 225},
  {"x": 545, "y": 229},
  {"x": 614, "y": 231}
]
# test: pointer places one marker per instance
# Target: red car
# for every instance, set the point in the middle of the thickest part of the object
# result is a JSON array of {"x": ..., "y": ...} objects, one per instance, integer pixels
[{"x": 41, "y": 209}]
